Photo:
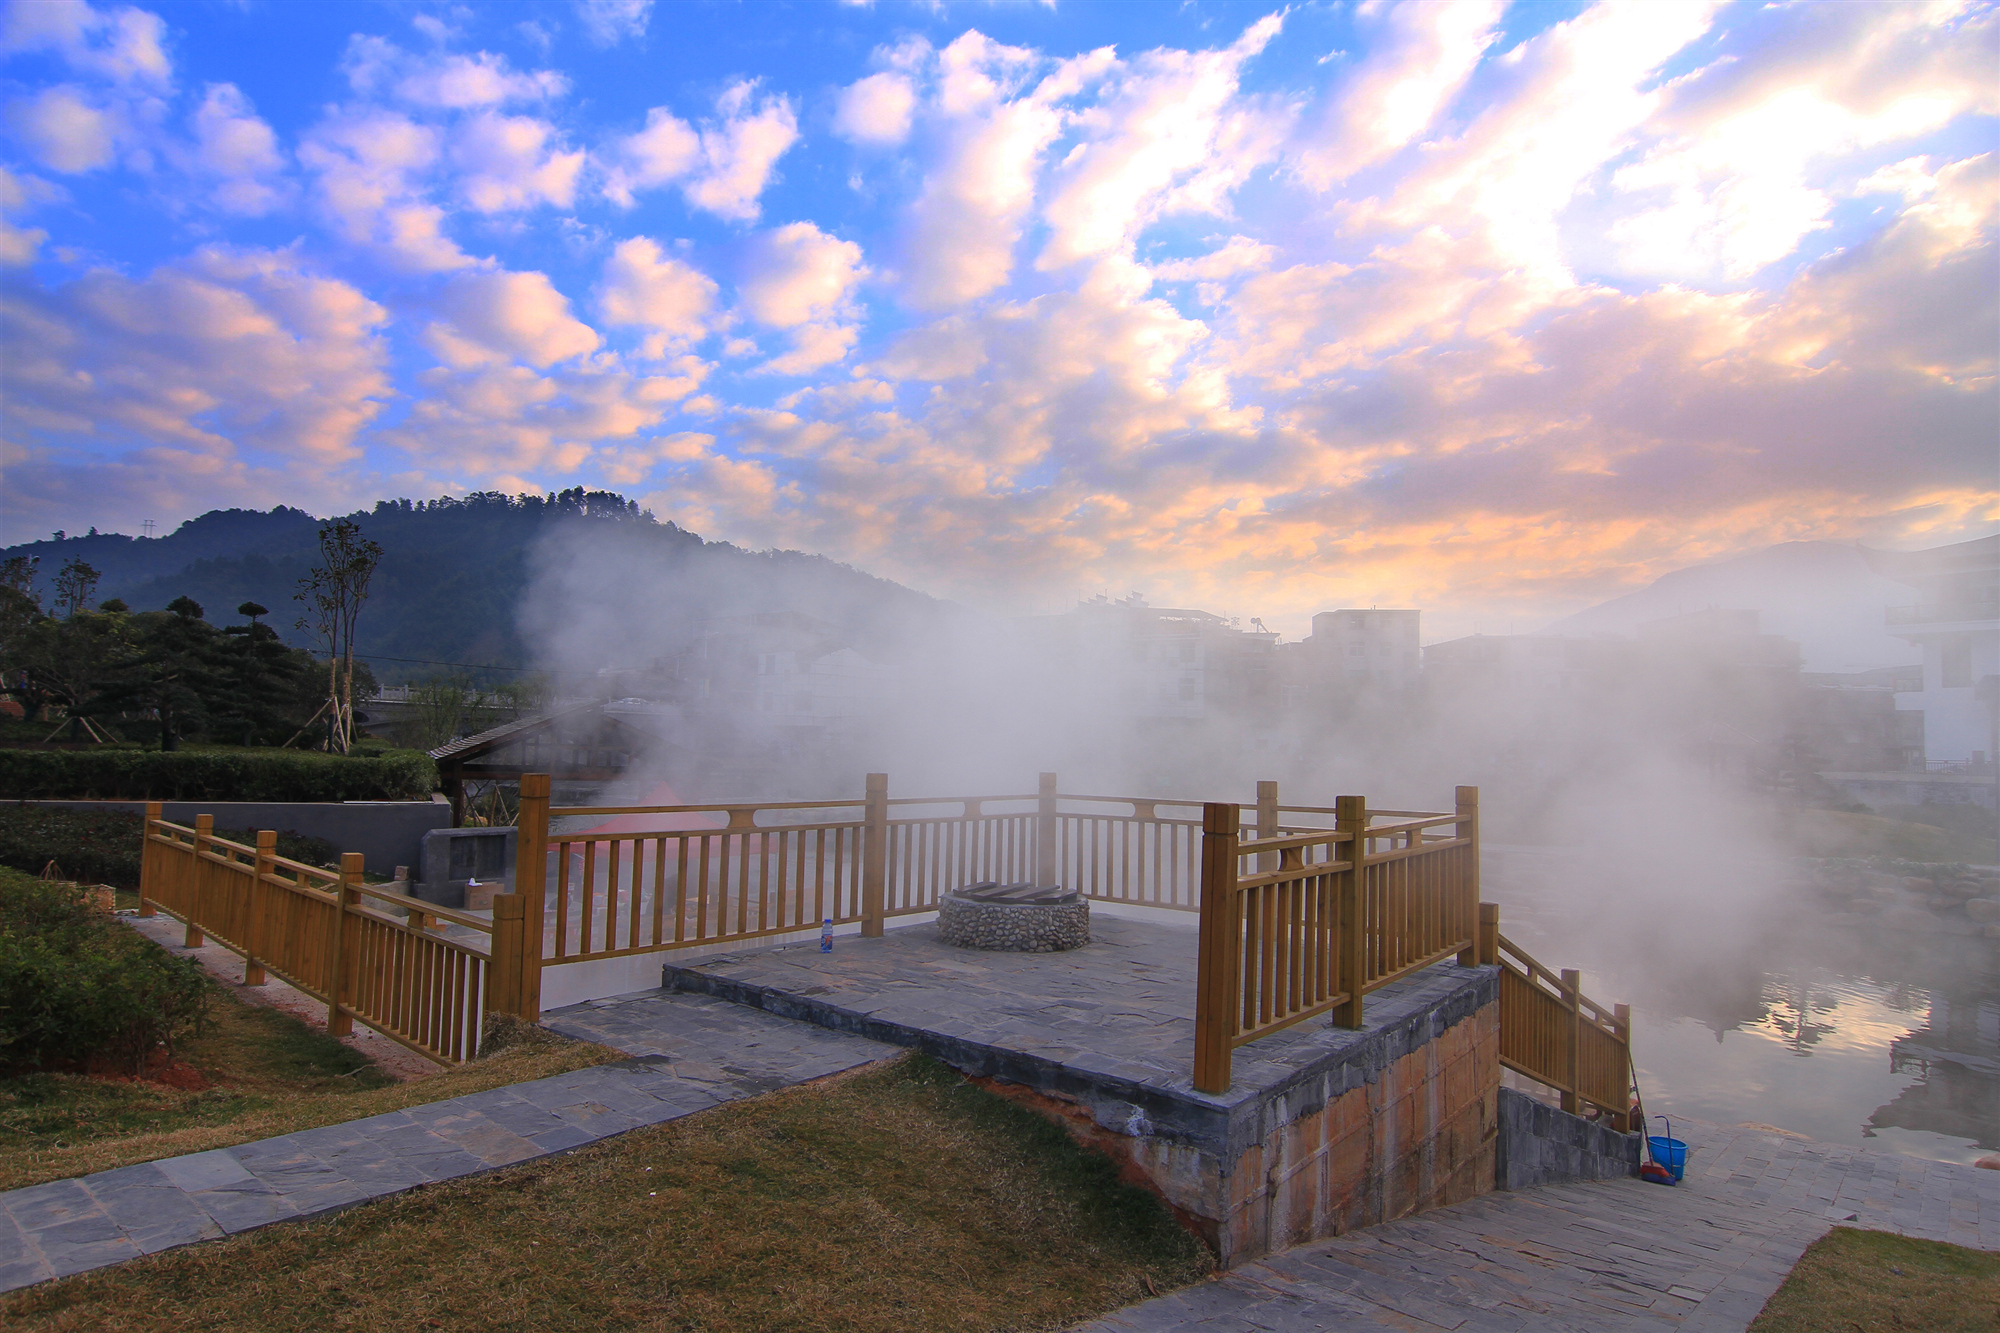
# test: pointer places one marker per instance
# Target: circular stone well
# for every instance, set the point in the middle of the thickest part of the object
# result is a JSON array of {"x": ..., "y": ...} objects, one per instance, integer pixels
[{"x": 1014, "y": 918}]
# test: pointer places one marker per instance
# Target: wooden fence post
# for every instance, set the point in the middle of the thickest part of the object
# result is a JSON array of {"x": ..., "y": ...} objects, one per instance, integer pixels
[
  {"x": 339, "y": 988},
  {"x": 1267, "y": 821},
  {"x": 1621, "y": 1120},
  {"x": 510, "y": 940},
  {"x": 1351, "y": 890},
  {"x": 1468, "y": 888},
  {"x": 204, "y": 829},
  {"x": 1218, "y": 960},
  {"x": 1489, "y": 934},
  {"x": 149, "y": 859},
  {"x": 253, "y": 942},
  {"x": 1047, "y": 868},
  {"x": 1572, "y": 982},
  {"x": 874, "y": 853},
  {"x": 531, "y": 886}
]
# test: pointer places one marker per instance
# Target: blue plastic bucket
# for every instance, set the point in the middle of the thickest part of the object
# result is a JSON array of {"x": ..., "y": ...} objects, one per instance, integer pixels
[{"x": 1669, "y": 1152}]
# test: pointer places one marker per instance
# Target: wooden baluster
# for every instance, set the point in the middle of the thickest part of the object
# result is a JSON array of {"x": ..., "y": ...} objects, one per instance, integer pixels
[
  {"x": 1622, "y": 1015},
  {"x": 1572, "y": 984},
  {"x": 1267, "y": 822},
  {"x": 339, "y": 985},
  {"x": 874, "y": 853},
  {"x": 1046, "y": 871},
  {"x": 204, "y": 830},
  {"x": 253, "y": 942},
  {"x": 1466, "y": 897},
  {"x": 150, "y": 865},
  {"x": 1218, "y": 957},
  {"x": 1351, "y": 817},
  {"x": 531, "y": 886}
]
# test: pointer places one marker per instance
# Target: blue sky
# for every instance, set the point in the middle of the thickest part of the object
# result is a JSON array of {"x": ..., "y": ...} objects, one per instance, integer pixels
[{"x": 1485, "y": 308}]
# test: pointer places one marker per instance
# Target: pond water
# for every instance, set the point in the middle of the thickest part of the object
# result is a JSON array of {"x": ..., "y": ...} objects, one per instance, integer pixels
[{"x": 1848, "y": 1034}]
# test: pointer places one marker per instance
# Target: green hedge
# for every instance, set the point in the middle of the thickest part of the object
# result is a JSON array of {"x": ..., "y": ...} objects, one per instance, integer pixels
[
  {"x": 77, "y": 989},
  {"x": 215, "y": 775},
  {"x": 102, "y": 846}
]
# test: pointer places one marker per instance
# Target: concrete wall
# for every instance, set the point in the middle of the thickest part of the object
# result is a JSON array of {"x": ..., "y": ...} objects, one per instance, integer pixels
[
  {"x": 1541, "y": 1144},
  {"x": 387, "y": 833}
]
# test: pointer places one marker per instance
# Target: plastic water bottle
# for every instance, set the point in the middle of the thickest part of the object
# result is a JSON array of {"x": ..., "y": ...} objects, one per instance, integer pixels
[{"x": 826, "y": 936}]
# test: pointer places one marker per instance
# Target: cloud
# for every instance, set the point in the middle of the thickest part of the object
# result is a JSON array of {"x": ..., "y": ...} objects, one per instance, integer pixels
[
  {"x": 800, "y": 278},
  {"x": 123, "y": 46},
  {"x": 376, "y": 67},
  {"x": 18, "y": 195},
  {"x": 739, "y": 153},
  {"x": 1167, "y": 137},
  {"x": 371, "y": 167},
  {"x": 976, "y": 195},
  {"x": 492, "y": 316},
  {"x": 609, "y": 22},
  {"x": 1420, "y": 56},
  {"x": 664, "y": 151},
  {"x": 225, "y": 350},
  {"x": 722, "y": 168},
  {"x": 876, "y": 109},
  {"x": 65, "y": 129},
  {"x": 1240, "y": 255},
  {"x": 508, "y": 163},
  {"x": 1728, "y": 182},
  {"x": 645, "y": 288},
  {"x": 493, "y": 421},
  {"x": 236, "y": 153}
]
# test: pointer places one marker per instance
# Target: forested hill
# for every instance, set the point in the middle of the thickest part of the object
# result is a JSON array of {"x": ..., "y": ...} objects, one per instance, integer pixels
[{"x": 454, "y": 573}]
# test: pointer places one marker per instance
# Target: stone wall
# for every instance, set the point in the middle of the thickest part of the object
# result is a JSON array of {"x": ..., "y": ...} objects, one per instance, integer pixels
[
  {"x": 1541, "y": 1144},
  {"x": 1403, "y": 1119}
]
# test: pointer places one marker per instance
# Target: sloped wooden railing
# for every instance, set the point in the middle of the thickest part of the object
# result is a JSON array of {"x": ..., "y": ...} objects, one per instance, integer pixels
[
  {"x": 1553, "y": 1033},
  {"x": 332, "y": 935}
]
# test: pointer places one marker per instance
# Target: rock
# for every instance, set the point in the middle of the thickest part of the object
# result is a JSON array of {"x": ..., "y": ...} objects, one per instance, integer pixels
[
  {"x": 1990, "y": 1162},
  {"x": 1983, "y": 910},
  {"x": 1014, "y": 927}
]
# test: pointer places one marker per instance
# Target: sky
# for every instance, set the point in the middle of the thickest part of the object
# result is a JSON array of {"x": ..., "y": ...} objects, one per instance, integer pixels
[{"x": 1495, "y": 310}]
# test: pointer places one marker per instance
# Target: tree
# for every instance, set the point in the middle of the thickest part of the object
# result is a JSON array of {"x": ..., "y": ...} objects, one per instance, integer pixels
[
  {"x": 333, "y": 595},
  {"x": 74, "y": 587},
  {"x": 172, "y": 670}
]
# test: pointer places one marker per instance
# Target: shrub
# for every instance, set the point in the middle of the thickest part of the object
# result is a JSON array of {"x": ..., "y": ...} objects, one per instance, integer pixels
[
  {"x": 76, "y": 987},
  {"x": 102, "y": 846},
  {"x": 215, "y": 775}
]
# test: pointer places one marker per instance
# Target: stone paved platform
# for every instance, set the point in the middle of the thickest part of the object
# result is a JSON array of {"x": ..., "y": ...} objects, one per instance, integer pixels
[
  {"x": 1122, "y": 1006},
  {"x": 1606, "y": 1257},
  {"x": 693, "y": 1053},
  {"x": 1109, "y": 1026}
]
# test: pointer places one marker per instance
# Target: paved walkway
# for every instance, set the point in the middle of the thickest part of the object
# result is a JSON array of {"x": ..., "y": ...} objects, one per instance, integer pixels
[
  {"x": 1613, "y": 1257},
  {"x": 694, "y": 1053}
]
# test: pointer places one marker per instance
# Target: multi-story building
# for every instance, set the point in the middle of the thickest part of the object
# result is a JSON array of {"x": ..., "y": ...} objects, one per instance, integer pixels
[
  {"x": 1157, "y": 662},
  {"x": 1352, "y": 654},
  {"x": 1956, "y": 622}
]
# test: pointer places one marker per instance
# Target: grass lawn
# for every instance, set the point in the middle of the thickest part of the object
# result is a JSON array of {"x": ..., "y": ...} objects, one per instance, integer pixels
[
  {"x": 267, "y": 1074},
  {"x": 1858, "y": 1281},
  {"x": 898, "y": 1198}
]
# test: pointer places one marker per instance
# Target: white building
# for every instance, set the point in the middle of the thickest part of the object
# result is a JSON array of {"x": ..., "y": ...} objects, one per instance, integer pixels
[{"x": 1955, "y": 619}]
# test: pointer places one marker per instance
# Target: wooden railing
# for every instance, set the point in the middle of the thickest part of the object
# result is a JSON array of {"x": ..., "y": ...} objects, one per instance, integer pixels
[
  {"x": 1553, "y": 1033},
  {"x": 332, "y": 935},
  {"x": 1303, "y": 922}
]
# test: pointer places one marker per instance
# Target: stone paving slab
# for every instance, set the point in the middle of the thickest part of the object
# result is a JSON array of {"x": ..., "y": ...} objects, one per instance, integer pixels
[
  {"x": 1615, "y": 1256},
  {"x": 691, "y": 1053}
]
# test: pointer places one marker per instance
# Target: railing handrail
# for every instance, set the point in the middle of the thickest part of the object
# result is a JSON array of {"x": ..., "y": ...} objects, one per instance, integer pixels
[{"x": 1537, "y": 971}]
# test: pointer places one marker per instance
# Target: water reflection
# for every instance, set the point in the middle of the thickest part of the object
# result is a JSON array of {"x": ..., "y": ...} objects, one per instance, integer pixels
[{"x": 1873, "y": 1037}]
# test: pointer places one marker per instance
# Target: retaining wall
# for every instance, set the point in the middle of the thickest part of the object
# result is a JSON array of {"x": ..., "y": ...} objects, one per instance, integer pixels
[{"x": 1541, "y": 1144}]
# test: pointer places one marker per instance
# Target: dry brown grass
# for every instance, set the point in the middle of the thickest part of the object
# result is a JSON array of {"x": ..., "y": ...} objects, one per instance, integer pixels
[
  {"x": 269, "y": 1074},
  {"x": 898, "y": 1199},
  {"x": 1853, "y": 1281}
]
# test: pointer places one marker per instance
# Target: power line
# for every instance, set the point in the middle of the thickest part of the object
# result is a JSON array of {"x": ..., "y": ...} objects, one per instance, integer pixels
[{"x": 424, "y": 661}]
